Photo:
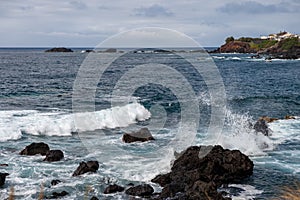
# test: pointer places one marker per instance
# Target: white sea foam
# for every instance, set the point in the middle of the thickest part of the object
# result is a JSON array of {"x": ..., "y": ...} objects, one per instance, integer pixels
[
  {"x": 239, "y": 134},
  {"x": 285, "y": 130},
  {"x": 14, "y": 123},
  {"x": 249, "y": 192},
  {"x": 234, "y": 58}
]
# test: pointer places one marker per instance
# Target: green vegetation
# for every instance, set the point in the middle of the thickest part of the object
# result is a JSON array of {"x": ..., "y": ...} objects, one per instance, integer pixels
[
  {"x": 229, "y": 39},
  {"x": 289, "y": 43},
  {"x": 262, "y": 44}
]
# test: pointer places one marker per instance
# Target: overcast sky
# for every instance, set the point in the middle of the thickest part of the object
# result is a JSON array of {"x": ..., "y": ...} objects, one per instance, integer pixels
[{"x": 86, "y": 23}]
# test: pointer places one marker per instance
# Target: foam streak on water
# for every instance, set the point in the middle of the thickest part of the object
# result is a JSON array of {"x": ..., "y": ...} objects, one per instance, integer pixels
[{"x": 14, "y": 123}]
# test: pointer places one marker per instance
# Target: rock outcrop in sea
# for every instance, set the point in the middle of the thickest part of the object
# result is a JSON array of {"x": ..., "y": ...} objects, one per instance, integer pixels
[
  {"x": 113, "y": 189},
  {"x": 144, "y": 190},
  {"x": 35, "y": 148},
  {"x": 54, "y": 155},
  {"x": 142, "y": 135},
  {"x": 261, "y": 125},
  {"x": 59, "y": 50},
  {"x": 84, "y": 167},
  {"x": 283, "y": 46},
  {"x": 193, "y": 177},
  {"x": 2, "y": 178}
]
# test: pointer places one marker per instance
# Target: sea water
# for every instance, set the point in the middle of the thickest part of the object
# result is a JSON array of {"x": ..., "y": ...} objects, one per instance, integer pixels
[{"x": 36, "y": 106}]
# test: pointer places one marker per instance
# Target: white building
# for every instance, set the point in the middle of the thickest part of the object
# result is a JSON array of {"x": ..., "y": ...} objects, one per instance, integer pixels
[{"x": 279, "y": 36}]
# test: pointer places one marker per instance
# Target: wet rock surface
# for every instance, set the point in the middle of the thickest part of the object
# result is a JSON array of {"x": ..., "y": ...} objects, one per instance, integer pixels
[
  {"x": 142, "y": 135},
  {"x": 2, "y": 178},
  {"x": 54, "y": 155},
  {"x": 145, "y": 190},
  {"x": 35, "y": 148},
  {"x": 196, "y": 177},
  {"x": 84, "y": 167},
  {"x": 113, "y": 189}
]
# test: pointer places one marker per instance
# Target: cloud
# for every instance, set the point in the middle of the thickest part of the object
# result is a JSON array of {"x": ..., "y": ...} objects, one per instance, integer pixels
[
  {"x": 252, "y": 7},
  {"x": 86, "y": 23},
  {"x": 152, "y": 11},
  {"x": 149, "y": 37},
  {"x": 78, "y": 5}
]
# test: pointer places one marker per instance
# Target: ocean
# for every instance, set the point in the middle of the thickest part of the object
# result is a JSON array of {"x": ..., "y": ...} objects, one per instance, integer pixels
[{"x": 38, "y": 104}]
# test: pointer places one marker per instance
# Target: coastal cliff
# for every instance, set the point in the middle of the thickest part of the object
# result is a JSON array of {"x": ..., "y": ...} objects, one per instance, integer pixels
[{"x": 282, "y": 45}]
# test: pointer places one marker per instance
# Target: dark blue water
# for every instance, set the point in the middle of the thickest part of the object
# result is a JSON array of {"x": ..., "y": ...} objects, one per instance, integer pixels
[{"x": 43, "y": 82}]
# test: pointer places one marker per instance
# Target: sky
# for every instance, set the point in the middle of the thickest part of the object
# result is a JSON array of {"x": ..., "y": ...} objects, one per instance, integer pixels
[{"x": 78, "y": 23}]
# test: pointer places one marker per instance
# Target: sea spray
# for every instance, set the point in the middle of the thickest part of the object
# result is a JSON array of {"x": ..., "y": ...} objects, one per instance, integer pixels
[
  {"x": 62, "y": 123},
  {"x": 238, "y": 133}
]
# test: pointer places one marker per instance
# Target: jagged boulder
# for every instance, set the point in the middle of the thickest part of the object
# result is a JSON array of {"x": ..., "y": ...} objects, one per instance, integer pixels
[
  {"x": 142, "y": 135},
  {"x": 140, "y": 190},
  {"x": 84, "y": 167},
  {"x": 2, "y": 178},
  {"x": 54, "y": 155},
  {"x": 35, "y": 148},
  {"x": 113, "y": 189},
  {"x": 197, "y": 177}
]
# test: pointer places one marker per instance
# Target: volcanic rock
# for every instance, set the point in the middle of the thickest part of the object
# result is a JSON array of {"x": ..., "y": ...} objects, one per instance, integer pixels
[
  {"x": 84, "y": 167},
  {"x": 198, "y": 177},
  {"x": 142, "y": 135},
  {"x": 235, "y": 47},
  {"x": 2, "y": 178},
  {"x": 54, "y": 155},
  {"x": 140, "y": 190},
  {"x": 113, "y": 189},
  {"x": 35, "y": 148},
  {"x": 59, "y": 49}
]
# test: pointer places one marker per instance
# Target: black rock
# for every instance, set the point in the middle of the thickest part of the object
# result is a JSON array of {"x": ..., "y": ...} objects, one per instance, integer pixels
[
  {"x": 94, "y": 198},
  {"x": 162, "y": 180},
  {"x": 84, "y": 167},
  {"x": 140, "y": 190},
  {"x": 59, "y": 49},
  {"x": 197, "y": 177},
  {"x": 262, "y": 127},
  {"x": 142, "y": 135},
  {"x": 56, "y": 195},
  {"x": 2, "y": 178},
  {"x": 54, "y": 155},
  {"x": 55, "y": 182},
  {"x": 113, "y": 189},
  {"x": 35, "y": 148},
  {"x": 3, "y": 165}
]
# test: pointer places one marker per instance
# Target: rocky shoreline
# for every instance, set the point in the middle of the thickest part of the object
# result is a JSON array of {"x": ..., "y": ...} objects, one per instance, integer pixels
[
  {"x": 197, "y": 173},
  {"x": 281, "y": 48}
]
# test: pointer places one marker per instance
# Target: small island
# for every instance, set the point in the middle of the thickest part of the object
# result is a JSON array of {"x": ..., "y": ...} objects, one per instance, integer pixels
[
  {"x": 283, "y": 45},
  {"x": 59, "y": 50}
]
